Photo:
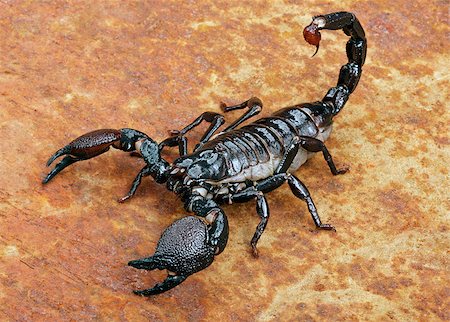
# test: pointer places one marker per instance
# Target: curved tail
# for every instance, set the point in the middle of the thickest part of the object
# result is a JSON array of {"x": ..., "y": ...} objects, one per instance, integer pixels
[{"x": 356, "y": 48}]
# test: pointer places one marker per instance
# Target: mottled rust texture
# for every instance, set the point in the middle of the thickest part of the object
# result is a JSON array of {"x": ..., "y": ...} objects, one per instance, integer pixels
[{"x": 67, "y": 68}]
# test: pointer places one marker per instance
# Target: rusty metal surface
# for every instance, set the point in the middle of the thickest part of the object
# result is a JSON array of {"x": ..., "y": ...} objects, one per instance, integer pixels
[{"x": 70, "y": 67}]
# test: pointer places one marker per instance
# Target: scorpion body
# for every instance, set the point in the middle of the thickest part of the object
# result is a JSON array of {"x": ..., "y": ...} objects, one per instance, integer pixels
[{"x": 236, "y": 165}]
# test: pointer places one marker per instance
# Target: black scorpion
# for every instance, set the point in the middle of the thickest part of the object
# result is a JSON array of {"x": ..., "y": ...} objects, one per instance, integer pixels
[{"x": 236, "y": 165}]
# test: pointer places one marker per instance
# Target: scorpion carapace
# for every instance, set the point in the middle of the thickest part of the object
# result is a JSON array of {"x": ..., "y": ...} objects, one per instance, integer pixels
[{"x": 237, "y": 164}]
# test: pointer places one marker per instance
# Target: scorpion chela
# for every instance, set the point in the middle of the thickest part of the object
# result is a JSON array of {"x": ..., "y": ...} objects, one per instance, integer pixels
[{"x": 238, "y": 164}]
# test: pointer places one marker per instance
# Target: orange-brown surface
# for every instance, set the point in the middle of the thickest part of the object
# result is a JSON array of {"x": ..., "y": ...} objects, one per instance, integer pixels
[{"x": 67, "y": 68}]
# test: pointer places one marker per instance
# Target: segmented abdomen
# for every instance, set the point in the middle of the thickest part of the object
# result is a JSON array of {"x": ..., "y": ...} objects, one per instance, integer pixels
[{"x": 255, "y": 150}]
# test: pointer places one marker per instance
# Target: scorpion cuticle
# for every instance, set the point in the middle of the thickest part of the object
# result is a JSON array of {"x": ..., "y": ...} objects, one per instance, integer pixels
[{"x": 237, "y": 164}]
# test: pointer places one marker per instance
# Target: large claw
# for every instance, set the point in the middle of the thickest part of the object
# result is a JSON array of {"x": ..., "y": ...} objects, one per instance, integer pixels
[
  {"x": 91, "y": 145},
  {"x": 185, "y": 248},
  {"x": 85, "y": 147}
]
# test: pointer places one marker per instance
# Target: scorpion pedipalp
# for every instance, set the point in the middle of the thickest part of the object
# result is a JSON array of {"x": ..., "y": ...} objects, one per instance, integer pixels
[
  {"x": 185, "y": 247},
  {"x": 84, "y": 147},
  {"x": 93, "y": 144}
]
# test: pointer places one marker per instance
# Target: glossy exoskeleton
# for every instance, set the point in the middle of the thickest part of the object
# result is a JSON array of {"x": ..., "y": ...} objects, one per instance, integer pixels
[{"x": 237, "y": 164}]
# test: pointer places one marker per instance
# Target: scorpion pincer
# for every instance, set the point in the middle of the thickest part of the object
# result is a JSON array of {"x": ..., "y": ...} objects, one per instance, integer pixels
[{"x": 237, "y": 164}]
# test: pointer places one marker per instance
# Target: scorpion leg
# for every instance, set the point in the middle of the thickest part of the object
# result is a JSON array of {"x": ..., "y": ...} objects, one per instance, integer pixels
[
  {"x": 297, "y": 188},
  {"x": 188, "y": 245},
  {"x": 179, "y": 138},
  {"x": 266, "y": 185},
  {"x": 254, "y": 106},
  {"x": 288, "y": 156},
  {"x": 262, "y": 208},
  {"x": 180, "y": 141},
  {"x": 314, "y": 145},
  {"x": 311, "y": 145},
  {"x": 300, "y": 191},
  {"x": 145, "y": 171}
]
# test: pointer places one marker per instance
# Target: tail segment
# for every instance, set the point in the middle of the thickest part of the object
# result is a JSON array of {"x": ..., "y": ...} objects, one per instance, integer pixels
[{"x": 356, "y": 48}]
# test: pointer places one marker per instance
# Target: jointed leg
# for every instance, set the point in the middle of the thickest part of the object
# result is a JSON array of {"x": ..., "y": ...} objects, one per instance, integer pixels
[
  {"x": 254, "y": 105},
  {"x": 300, "y": 191},
  {"x": 262, "y": 209},
  {"x": 288, "y": 157},
  {"x": 297, "y": 188},
  {"x": 311, "y": 145},
  {"x": 145, "y": 171},
  {"x": 179, "y": 138},
  {"x": 180, "y": 141},
  {"x": 266, "y": 185},
  {"x": 315, "y": 145}
]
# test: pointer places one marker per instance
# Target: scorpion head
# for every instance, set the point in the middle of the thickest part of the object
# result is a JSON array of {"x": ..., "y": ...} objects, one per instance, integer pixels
[{"x": 205, "y": 164}]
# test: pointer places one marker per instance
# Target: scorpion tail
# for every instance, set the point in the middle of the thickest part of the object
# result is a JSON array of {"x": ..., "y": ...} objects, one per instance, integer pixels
[{"x": 356, "y": 49}]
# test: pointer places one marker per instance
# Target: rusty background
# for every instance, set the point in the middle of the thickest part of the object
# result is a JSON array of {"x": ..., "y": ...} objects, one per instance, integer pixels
[{"x": 69, "y": 67}]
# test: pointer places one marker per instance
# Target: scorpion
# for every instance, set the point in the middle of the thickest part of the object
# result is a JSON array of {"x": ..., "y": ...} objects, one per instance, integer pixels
[{"x": 237, "y": 164}]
